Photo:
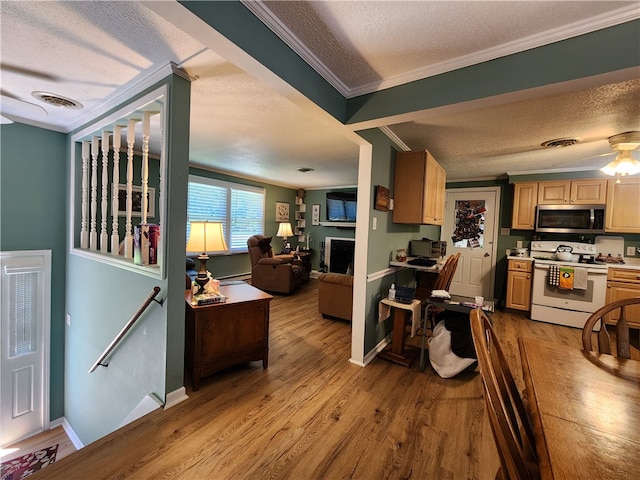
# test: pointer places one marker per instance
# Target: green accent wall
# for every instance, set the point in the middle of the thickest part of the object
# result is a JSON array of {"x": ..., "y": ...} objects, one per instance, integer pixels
[{"x": 33, "y": 192}]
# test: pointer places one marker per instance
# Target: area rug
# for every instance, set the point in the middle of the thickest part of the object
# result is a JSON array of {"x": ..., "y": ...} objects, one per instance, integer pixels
[{"x": 22, "y": 467}]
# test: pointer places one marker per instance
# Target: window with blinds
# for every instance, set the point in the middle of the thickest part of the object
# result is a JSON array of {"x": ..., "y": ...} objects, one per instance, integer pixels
[
  {"x": 239, "y": 207},
  {"x": 23, "y": 313}
]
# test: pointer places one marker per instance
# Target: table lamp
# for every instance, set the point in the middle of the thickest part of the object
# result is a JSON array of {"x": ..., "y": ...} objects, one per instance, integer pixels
[
  {"x": 205, "y": 237},
  {"x": 284, "y": 231}
]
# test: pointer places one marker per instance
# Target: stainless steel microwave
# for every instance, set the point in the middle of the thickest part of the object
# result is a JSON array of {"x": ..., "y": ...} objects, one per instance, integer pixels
[{"x": 570, "y": 218}]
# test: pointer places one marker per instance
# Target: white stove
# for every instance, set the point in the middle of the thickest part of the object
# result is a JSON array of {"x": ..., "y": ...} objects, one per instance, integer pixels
[
  {"x": 569, "y": 304},
  {"x": 543, "y": 251}
]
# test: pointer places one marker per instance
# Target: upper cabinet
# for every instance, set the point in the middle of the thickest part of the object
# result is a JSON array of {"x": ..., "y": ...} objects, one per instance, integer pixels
[
  {"x": 623, "y": 206},
  {"x": 622, "y": 201},
  {"x": 524, "y": 206},
  {"x": 575, "y": 192},
  {"x": 419, "y": 189}
]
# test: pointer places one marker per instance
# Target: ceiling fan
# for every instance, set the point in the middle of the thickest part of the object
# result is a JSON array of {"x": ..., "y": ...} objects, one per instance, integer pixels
[{"x": 623, "y": 145}]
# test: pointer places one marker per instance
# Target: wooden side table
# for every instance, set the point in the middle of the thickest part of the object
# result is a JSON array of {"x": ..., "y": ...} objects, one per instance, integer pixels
[
  {"x": 401, "y": 313},
  {"x": 226, "y": 334},
  {"x": 305, "y": 257}
]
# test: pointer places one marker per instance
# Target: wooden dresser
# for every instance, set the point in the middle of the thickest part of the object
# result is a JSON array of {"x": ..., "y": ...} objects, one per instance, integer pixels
[{"x": 226, "y": 334}]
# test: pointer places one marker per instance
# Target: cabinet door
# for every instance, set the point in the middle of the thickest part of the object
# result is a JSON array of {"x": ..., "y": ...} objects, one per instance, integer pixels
[
  {"x": 623, "y": 206},
  {"x": 524, "y": 206},
  {"x": 519, "y": 291},
  {"x": 433, "y": 206},
  {"x": 554, "y": 193},
  {"x": 408, "y": 190},
  {"x": 618, "y": 291},
  {"x": 585, "y": 192}
]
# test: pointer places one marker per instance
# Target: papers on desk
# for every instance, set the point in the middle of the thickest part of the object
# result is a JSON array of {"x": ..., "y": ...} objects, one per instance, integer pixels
[
  {"x": 443, "y": 294},
  {"x": 475, "y": 305}
]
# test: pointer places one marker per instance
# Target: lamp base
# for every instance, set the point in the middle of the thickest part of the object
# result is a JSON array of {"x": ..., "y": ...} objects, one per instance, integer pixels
[{"x": 203, "y": 277}]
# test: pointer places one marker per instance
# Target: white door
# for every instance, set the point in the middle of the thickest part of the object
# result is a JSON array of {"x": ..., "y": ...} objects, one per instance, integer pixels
[
  {"x": 470, "y": 226},
  {"x": 25, "y": 282}
]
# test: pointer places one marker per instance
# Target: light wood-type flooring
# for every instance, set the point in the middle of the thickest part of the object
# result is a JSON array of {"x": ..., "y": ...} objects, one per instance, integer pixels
[{"x": 314, "y": 415}]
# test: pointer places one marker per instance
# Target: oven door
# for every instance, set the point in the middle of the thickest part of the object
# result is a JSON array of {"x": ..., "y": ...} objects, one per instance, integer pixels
[{"x": 566, "y": 307}]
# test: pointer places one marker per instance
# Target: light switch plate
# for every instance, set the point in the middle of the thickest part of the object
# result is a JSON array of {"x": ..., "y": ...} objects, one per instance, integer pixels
[{"x": 631, "y": 251}]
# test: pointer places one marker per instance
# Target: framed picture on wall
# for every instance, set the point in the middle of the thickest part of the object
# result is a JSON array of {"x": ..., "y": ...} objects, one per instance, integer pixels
[
  {"x": 382, "y": 199},
  {"x": 282, "y": 212},
  {"x": 315, "y": 214},
  {"x": 136, "y": 201}
]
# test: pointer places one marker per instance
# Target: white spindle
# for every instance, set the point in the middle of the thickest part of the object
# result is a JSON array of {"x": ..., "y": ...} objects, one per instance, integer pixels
[
  {"x": 145, "y": 165},
  {"x": 84, "y": 231},
  {"x": 128, "y": 237},
  {"x": 95, "y": 151},
  {"x": 104, "y": 200},
  {"x": 115, "y": 236}
]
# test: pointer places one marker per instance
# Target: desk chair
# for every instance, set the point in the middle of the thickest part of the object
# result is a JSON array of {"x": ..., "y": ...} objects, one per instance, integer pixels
[
  {"x": 443, "y": 282},
  {"x": 617, "y": 311},
  {"x": 510, "y": 423}
]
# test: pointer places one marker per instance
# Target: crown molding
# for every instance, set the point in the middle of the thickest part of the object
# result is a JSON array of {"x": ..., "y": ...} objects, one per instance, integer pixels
[
  {"x": 575, "y": 29},
  {"x": 394, "y": 138},
  {"x": 131, "y": 90}
]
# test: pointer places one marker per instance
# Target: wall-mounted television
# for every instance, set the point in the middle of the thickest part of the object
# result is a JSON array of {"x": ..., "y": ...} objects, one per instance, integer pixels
[{"x": 341, "y": 206}]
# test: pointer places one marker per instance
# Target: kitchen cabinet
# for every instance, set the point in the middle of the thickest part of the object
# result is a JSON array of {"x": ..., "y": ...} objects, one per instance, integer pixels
[
  {"x": 419, "y": 189},
  {"x": 573, "y": 192},
  {"x": 519, "y": 285},
  {"x": 524, "y": 206},
  {"x": 624, "y": 283},
  {"x": 623, "y": 206}
]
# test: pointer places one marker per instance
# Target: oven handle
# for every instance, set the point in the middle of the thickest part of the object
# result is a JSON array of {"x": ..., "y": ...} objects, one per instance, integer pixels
[{"x": 591, "y": 271}]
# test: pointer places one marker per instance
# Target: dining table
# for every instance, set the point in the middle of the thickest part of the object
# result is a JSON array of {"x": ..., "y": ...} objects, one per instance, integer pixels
[{"x": 585, "y": 411}]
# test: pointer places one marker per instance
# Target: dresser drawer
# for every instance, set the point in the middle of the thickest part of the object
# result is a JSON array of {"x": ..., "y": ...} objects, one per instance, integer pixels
[
  {"x": 520, "y": 265},
  {"x": 623, "y": 275}
]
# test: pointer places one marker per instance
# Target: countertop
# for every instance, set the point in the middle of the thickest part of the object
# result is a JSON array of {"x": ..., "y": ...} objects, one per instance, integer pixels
[{"x": 631, "y": 263}]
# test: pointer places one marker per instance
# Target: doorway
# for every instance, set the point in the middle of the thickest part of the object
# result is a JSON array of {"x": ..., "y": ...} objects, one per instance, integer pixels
[{"x": 470, "y": 228}]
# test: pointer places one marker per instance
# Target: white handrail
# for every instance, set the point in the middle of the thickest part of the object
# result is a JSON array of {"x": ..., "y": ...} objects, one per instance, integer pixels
[{"x": 125, "y": 329}]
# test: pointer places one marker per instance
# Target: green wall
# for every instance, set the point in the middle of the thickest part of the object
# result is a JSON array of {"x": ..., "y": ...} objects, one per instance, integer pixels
[{"x": 33, "y": 192}]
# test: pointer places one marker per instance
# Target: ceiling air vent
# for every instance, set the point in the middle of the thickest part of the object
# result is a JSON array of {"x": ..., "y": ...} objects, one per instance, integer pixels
[
  {"x": 560, "y": 142},
  {"x": 56, "y": 100}
]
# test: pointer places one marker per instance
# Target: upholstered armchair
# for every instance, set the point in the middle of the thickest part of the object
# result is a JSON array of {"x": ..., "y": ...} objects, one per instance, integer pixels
[
  {"x": 335, "y": 295},
  {"x": 277, "y": 274}
]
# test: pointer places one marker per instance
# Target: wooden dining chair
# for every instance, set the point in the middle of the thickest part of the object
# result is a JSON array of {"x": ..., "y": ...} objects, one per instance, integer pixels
[
  {"x": 510, "y": 423},
  {"x": 443, "y": 281},
  {"x": 619, "y": 312}
]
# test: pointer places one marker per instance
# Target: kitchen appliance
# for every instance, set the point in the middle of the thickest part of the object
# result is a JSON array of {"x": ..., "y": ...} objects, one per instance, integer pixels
[
  {"x": 570, "y": 218},
  {"x": 552, "y": 304}
]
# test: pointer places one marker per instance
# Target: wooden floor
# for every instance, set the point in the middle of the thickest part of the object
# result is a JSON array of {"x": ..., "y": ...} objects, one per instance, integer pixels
[{"x": 314, "y": 415}]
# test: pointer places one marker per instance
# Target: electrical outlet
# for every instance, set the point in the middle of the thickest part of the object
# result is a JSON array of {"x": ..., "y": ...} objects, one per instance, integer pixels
[
  {"x": 68, "y": 319},
  {"x": 631, "y": 251}
]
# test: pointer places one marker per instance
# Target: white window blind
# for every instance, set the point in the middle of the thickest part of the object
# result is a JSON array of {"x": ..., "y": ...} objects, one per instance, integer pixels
[
  {"x": 239, "y": 207},
  {"x": 23, "y": 313}
]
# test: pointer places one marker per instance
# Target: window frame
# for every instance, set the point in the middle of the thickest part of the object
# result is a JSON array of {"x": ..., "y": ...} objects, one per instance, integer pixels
[{"x": 229, "y": 187}]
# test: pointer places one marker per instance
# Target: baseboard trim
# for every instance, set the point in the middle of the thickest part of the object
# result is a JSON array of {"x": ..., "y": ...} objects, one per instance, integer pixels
[
  {"x": 373, "y": 353},
  {"x": 68, "y": 430},
  {"x": 175, "y": 397}
]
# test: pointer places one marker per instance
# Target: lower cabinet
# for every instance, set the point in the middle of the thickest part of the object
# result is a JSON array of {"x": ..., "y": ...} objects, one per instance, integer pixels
[
  {"x": 519, "y": 285},
  {"x": 624, "y": 283}
]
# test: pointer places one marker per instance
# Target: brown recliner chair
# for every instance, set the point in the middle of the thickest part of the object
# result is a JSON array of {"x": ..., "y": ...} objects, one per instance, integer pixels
[
  {"x": 277, "y": 274},
  {"x": 335, "y": 295}
]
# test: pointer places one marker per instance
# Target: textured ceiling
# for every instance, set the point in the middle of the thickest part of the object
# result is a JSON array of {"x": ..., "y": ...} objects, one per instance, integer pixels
[{"x": 97, "y": 52}]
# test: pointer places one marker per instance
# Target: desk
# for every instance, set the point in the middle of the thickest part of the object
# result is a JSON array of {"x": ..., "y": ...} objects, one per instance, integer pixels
[
  {"x": 454, "y": 304},
  {"x": 585, "y": 410},
  {"x": 424, "y": 276},
  {"x": 226, "y": 334}
]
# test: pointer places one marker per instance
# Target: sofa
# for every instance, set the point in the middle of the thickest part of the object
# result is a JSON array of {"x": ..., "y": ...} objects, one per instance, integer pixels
[
  {"x": 335, "y": 295},
  {"x": 273, "y": 273}
]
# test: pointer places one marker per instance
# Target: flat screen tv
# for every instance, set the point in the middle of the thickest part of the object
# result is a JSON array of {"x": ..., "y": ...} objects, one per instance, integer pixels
[{"x": 341, "y": 206}]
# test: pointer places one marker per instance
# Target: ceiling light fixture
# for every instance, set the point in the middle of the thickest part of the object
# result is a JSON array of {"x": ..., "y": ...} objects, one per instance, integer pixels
[
  {"x": 624, "y": 163},
  {"x": 57, "y": 100},
  {"x": 305, "y": 169}
]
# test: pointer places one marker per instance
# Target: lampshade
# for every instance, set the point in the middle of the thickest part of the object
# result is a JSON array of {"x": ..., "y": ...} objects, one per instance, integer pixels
[
  {"x": 284, "y": 230},
  {"x": 206, "y": 237},
  {"x": 624, "y": 164}
]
